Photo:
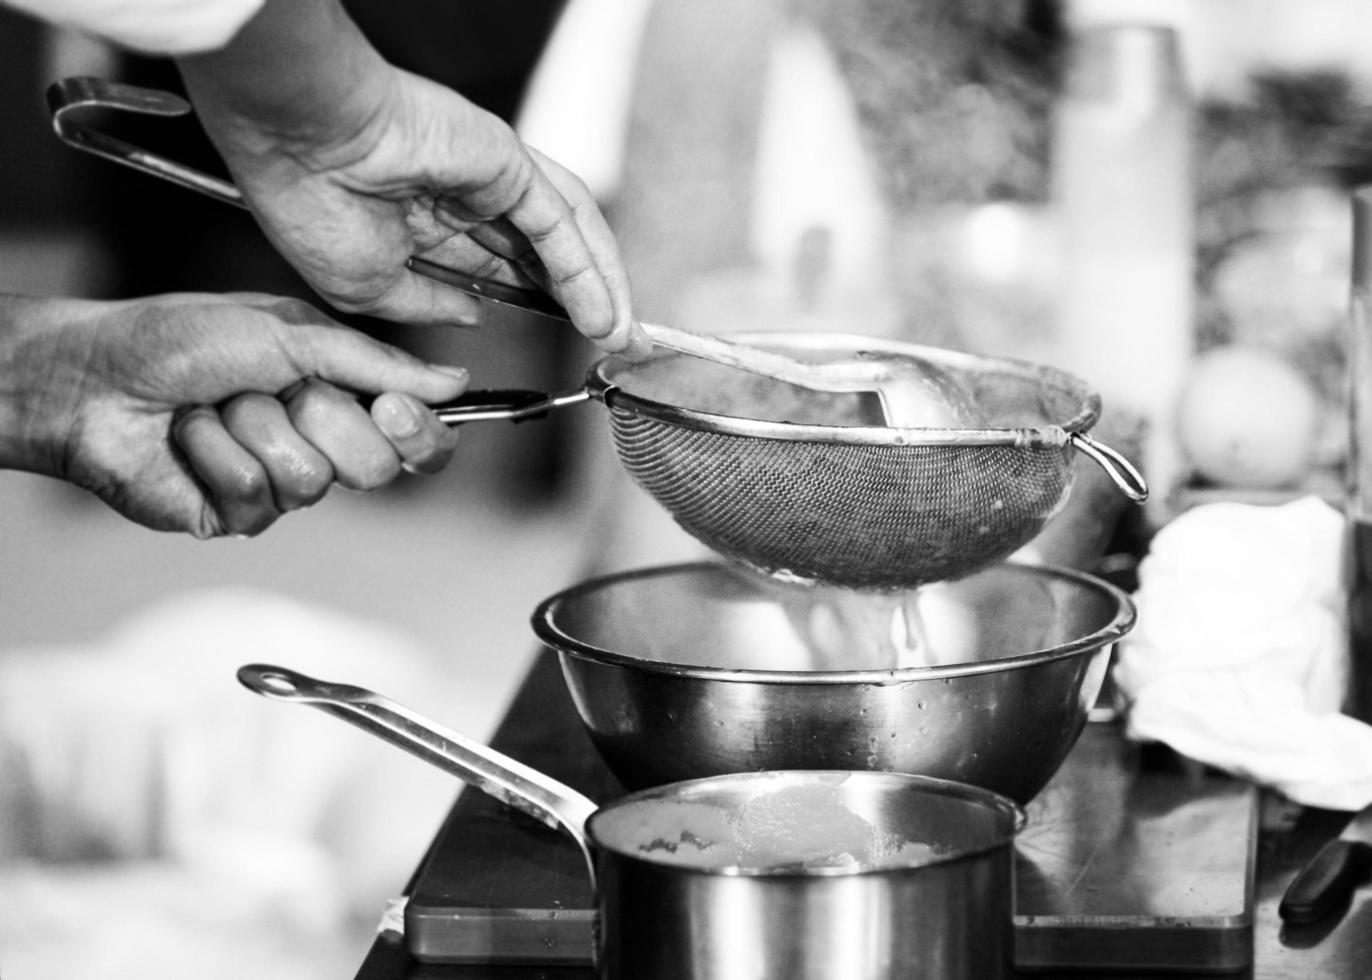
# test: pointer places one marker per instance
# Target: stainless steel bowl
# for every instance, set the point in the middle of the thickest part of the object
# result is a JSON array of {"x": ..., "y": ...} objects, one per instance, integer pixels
[{"x": 686, "y": 671}]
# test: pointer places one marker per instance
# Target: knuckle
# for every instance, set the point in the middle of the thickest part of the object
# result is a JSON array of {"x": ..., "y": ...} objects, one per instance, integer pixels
[
  {"x": 254, "y": 523},
  {"x": 295, "y": 311},
  {"x": 315, "y": 483},
  {"x": 372, "y": 474}
]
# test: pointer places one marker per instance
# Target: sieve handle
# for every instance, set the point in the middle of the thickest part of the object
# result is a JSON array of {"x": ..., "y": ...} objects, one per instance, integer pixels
[
  {"x": 509, "y": 405},
  {"x": 1124, "y": 474}
]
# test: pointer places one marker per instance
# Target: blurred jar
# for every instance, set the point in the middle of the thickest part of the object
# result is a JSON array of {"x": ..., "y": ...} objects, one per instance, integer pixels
[{"x": 1122, "y": 184}]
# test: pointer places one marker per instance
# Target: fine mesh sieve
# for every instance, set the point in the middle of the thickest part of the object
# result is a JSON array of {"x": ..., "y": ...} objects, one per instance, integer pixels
[{"x": 829, "y": 500}]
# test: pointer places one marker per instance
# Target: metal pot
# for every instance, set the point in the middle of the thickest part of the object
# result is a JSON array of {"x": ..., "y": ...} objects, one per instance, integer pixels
[
  {"x": 813, "y": 875},
  {"x": 693, "y": 670}
]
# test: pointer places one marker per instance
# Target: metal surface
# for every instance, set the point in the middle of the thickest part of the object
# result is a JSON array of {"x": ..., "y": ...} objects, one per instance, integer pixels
[
  {"x": 691, "y": 670},
  {"x": 1137, "y": 859}
]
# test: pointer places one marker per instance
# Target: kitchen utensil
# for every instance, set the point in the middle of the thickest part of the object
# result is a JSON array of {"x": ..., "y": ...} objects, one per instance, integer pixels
[
  {"x": 807, "y": 874},
  {"x": 786, "y": 479},
  {"x": 799, "y": 489},
  {"x": 693, "y": 670},
  {"x": 904, "y": 389},
  {"x": 1326, "y": 883}
]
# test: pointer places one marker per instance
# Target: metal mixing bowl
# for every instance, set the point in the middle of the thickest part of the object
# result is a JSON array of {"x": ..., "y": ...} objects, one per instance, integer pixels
[{"x": 685, "y": 671}]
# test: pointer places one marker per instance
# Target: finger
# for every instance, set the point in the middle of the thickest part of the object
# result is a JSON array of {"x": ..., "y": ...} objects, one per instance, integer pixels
[
  {"x": 235, "y": 481},
  {"x": 299, "y": 475},
  {"x": 337, "y": 426},
  {"x": 416, "y": 299},
  {"x": 424, "y": 444},
  {"x": 489, "y": 250},
  {"x": 556, "y": 244},
  {"x": 355, "y": 361},
  {"x": 605, "y": 252},
  {"x": 520, "y": 191}
]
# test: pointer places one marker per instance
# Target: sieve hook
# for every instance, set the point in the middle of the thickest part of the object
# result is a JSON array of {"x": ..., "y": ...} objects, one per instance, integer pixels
[
  {"x": 1124, "y": 474},
  {"x": 71, "y": 94}
]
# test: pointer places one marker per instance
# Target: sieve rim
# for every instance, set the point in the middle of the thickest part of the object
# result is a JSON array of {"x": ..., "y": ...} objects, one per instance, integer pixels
[
  {"x": 602, "y": 385},
  {"x": 565, "y": 645}
]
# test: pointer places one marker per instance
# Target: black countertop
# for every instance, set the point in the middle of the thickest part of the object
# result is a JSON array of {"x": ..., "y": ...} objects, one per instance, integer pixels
[{"x": 1131, "y": 856}]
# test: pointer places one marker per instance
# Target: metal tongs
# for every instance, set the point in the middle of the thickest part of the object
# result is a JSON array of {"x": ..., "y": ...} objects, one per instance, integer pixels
[{"x": 901, "y": 386}]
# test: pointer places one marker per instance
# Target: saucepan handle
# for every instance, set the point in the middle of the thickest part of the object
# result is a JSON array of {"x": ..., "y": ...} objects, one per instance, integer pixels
[{"x": 492, "y": 772}]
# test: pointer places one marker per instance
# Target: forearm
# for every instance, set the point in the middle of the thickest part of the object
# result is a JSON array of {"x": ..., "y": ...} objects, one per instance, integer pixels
[{"x": 299, "y": 72}]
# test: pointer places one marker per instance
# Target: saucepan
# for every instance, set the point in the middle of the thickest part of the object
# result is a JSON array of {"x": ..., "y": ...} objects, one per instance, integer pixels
[
  {"x": 691, "y": 670},
  {"x": 807, "y": 874}
]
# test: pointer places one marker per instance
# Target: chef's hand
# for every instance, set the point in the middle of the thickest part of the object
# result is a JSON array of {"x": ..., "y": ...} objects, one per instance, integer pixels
[
  {"x": 208, "y": 414},
  {"x": 352, "y": 165}
]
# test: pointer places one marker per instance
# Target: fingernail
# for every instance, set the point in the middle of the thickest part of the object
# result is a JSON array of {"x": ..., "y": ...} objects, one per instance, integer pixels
[
  {"x": 400, "y": 418},
  {"x": 450, "y": 370},
  {"x": 640, "y": 345}
]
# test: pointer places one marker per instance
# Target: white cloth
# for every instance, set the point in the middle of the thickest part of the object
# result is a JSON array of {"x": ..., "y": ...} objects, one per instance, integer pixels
[
  {"x": 1239, "y": 658},
  {"x": 165, "y": 27}
]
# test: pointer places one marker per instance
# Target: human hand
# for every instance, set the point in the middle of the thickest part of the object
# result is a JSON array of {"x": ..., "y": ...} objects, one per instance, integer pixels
[
  {"x": 211, "y": 415},
  {"x": 351, "y": 166}
]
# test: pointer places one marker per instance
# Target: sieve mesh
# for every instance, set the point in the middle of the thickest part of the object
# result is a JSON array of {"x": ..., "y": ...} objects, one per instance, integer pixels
[
  {"x": 862, "y": 516},
  {"x": 804, "y": 485}
]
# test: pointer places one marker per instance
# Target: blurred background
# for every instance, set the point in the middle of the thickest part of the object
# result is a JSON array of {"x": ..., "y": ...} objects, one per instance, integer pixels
[{"x": 954, "y": 173}]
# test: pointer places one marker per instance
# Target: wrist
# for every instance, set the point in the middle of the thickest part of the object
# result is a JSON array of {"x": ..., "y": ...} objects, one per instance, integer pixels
[
  {"x": 42, "y": 367},
  {"x": 298, "y": 78}
]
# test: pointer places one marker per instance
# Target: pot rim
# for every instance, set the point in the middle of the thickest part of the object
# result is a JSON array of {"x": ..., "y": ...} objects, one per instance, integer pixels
[
  {"x": 565, "y": 645},
  {"x": 934, "y": 785}
]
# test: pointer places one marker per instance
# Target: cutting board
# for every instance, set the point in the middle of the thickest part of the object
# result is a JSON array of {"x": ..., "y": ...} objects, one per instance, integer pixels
[{"x": 1132, "y": 858}]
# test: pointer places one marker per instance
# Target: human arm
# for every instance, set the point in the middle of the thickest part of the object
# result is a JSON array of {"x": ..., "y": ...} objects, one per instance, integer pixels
[
  {"x": 352, "y": 165},
  {"x": 210, "y": 414}
]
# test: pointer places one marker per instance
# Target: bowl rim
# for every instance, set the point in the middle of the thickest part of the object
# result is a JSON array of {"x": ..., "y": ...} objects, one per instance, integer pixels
[{"x": 565, "y": 645}]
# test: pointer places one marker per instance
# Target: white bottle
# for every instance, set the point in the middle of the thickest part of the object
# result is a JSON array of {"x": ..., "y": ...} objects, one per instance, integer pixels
[{"x": 1123, "y": 190}]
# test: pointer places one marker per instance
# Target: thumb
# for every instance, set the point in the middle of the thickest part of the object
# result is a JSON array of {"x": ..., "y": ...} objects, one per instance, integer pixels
[{"x": 355, "y": 361}]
